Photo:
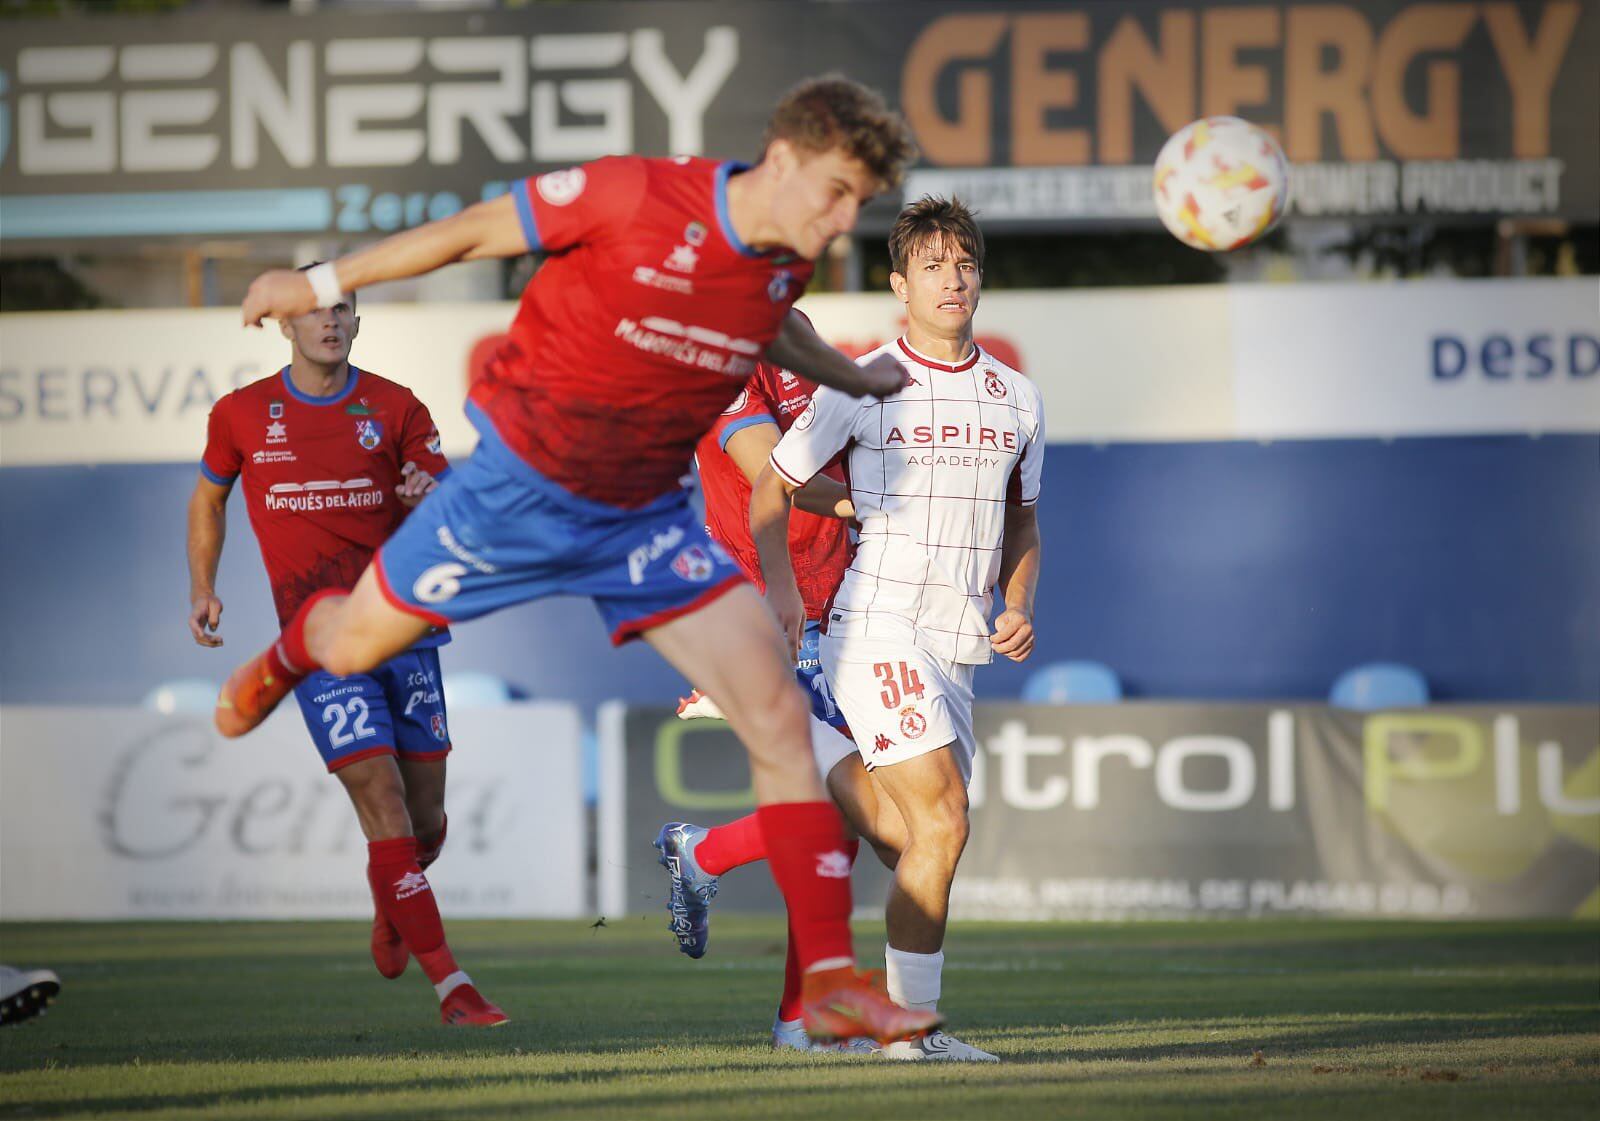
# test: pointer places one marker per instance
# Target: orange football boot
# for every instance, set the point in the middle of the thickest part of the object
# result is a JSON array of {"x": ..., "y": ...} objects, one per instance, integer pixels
[
  {"x": 249, "y": 695},
  {"x": 841, "y": 1003},
  {"x": 466, "y": 1008}
]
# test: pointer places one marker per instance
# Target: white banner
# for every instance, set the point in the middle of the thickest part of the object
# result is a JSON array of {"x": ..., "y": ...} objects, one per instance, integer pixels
[
  {"x": 1213, "y": 362},
  {"x": 110, "y": 813}
]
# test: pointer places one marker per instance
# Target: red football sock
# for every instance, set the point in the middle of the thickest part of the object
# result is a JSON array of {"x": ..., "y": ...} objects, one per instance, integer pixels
[
  {"x": 733, "y": 845},
  {"x": 405, "y": 896},
  {"x": 789, "y": 1006},
  {"x": 289, "y": 656},
  {"x": 429, "y": 844},
  {"x": 806, "y": 851}
]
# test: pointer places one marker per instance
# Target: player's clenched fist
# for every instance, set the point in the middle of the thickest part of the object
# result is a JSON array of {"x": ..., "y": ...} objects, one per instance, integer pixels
[
  {"x": 783, "y": 598},
  {"x": 279, "y": 294},
  {"x": 417, "y": 484},
  {"x": 884, "y": 376},
  {"x": 1013, "y": 635},
  {"x": 205, "y": 615}
]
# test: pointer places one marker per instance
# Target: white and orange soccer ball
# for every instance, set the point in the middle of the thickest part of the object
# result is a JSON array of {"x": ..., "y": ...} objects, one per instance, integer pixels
[{"x": 1220, "y": 183}]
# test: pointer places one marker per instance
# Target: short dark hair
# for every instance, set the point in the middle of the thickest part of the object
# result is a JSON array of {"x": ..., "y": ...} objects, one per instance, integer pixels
[
  {"x": 932, "y": 219},
  {"x": 832, "y": 111},
  {"x": 349, "y": 296}
]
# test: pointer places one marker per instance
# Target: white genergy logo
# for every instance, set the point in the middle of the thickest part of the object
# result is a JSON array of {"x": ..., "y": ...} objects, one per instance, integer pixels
[{"x": 191, "y": 106}]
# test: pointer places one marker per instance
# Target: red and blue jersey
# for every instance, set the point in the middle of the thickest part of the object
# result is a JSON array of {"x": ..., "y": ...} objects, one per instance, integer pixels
[
  {"x": 819, "y": 548},
  {"x": 645, "y": 321},
  {"x": 319, "y": 473}
]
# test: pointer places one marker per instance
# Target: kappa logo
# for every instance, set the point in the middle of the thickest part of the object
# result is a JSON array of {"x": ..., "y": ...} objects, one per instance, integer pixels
[
  {"x": 369, "y": 433},
  {"x": 558, "y": 188},
  {"x": 277, "y": 433},
  {"x": 912, "y": 723},
  {"x": 996, "y": 387},
  {"x": 436, "y": 726},
  {"x": 882, "y": 743},
  {"x": 693, "y": 564},
  {"x": 683, "y": 258},
  {"x": 833, "y": 865},
  {"x": 412, "y": 883}
]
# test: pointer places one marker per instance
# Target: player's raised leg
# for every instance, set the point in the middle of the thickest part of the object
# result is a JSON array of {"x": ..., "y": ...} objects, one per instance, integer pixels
[
  {"x": 730, "y": 648},
  {"x": 340, "y": 633}
]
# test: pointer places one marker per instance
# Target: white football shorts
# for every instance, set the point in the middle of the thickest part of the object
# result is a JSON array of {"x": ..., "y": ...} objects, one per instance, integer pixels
[{"x": 900, "y": 700}]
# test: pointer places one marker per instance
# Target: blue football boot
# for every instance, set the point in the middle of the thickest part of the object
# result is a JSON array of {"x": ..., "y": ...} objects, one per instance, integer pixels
[{"x": 693, "y": 888}]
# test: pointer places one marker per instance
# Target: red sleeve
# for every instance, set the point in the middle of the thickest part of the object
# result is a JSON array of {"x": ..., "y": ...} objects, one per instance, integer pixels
[
  {"x": 752, "y": 406},
  {"x": 419, "y": 440},
  {"x": 560, "y": 209},
  {"x": 221, "y": 459}
]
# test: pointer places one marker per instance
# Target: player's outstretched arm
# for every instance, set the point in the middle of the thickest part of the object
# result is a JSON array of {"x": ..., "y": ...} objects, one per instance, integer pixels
[
  {"x": 751, "y": 447},
  {"x": 1019, "y": 580},
  {"x": 485, "y": 229},
  {"x": 798, "y": 347},
  {"x": 208, "y": 524},
  {"x": 770, "y": 496}
]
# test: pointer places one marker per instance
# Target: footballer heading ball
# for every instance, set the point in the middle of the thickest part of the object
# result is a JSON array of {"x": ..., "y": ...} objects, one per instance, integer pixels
[{"x": 1220, "y": 183}]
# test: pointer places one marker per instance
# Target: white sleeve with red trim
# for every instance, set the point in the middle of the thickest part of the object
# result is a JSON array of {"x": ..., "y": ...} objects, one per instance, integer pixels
[
  {"x": 1027, "y": 478},
  {"x": 817, "y": 435}
]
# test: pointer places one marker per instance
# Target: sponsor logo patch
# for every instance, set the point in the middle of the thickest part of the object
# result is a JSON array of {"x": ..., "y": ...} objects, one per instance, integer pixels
[
  {"x": 558, "y": 188},
  {"x": 882, "y": 743},
  {"x": 277, "y": 433},
  {"x": 833, "y": 865}
]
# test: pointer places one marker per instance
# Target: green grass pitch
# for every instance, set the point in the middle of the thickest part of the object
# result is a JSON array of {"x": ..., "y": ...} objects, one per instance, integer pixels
[{"x": 1200, "y": 1020}]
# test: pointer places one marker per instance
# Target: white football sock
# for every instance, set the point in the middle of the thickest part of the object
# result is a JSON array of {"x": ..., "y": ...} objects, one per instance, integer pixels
[{"x": 915, "y": 980}]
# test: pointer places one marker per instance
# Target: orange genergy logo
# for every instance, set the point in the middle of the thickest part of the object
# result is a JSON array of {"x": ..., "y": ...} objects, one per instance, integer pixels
[{"x": 1181, "y": 64}]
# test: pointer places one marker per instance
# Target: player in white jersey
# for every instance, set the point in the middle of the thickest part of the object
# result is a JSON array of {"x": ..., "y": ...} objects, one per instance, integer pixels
[{"x": 943, "y": 476}]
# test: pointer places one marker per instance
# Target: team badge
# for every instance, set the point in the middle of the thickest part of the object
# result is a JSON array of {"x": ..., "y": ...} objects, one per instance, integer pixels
[
  {"x": 369, "y": 433},
  {"x": 693, "y": 564},
  {"x": 996, "y": 387},
  {"x": 882, "y": 743},
  {"x": 434, "y": 444},
  {"x": 694, "y": 233},
  {"x": 739, "y": 402},
  {"x": 779, "y": 288},
  {"x": 436, "y": 725},
  {"x": 275, "y": 411},
  {"x": 558, "y": 188},
  {"x": 912, "y": 723}
]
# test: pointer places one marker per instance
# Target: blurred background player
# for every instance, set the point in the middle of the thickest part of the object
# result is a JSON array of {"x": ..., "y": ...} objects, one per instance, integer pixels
[
  {"x": 730, "y": 457},
  {"x": 332, "y": 459},
  {"x": 943, "y": 478},
  {"x": 666, "y": 281}
]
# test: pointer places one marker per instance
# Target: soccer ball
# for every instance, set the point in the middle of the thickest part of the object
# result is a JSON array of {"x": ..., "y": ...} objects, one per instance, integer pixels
[{"x": 1220, "y": 183}]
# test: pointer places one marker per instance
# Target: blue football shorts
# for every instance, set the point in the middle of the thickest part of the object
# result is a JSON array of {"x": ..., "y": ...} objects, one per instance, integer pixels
[
  {"x": 396, "y": 709},
  {"x": 497, "y": 533}
]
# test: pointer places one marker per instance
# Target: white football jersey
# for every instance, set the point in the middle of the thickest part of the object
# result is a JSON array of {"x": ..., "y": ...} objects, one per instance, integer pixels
[{"x": 931, "y": 471}]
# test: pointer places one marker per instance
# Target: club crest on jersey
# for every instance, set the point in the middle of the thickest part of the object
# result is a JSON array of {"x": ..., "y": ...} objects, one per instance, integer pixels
[
  {"x": 693, "y": 564},
  {"x": 694, "y": 233},
  {"x": 996, "y": 387},
  {"x": 275, "y": 410},
  {"x": 558, "y": 188},
  {"x": 779, "y": 287},
  {"x": 436, "y": 726},
  {"x": 912, "y": 723},
  {"x": 683, "y": 258},
  {"x": 277, "y": 433},
  {"x": 882, "y": 743},
  {"x": 369, "y": 433},
  {"x": 434, "y": 444}
]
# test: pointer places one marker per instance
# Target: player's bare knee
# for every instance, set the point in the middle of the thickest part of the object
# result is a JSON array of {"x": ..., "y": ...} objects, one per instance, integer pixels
[{"x": 344, "y": 656}]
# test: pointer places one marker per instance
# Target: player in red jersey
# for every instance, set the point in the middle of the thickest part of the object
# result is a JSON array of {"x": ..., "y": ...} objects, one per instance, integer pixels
[
  {"x": 666, "y": 282},
  {"x": 332, "y": 458}
]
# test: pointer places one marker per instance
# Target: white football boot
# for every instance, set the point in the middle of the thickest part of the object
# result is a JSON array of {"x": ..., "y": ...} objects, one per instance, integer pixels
[
  {"x": 698, "y": 706},
  {"x": 790, "y": 1035},
  {"x": 937, "y": 1046}
]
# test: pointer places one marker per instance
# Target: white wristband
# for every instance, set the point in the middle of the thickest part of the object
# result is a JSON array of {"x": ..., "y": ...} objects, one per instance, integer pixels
[{"x": 325, "y": 285}]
